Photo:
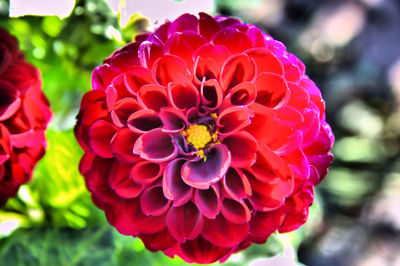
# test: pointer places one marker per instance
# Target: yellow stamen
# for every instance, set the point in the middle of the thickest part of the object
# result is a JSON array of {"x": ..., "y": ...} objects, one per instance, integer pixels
[
  {"x": 198, "y": 136},
  {"x": 214, "y": 115}
]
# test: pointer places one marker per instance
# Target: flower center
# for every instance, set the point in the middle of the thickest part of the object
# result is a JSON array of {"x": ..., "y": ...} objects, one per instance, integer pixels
[{"x": 198, "y": 136}]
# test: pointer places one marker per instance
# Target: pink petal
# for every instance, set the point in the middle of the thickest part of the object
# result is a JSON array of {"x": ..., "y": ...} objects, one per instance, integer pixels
[
  {"x": 101, "y": 133},
  {"x": 153, "y": 97},
  {"x": 224, "y": 233},
  {"x": 182, "y": 23},
  {"x": 143, "y": 121},
  {"x": 208, "y": 201},
  {"x": 257, "y": 37},
  {"x": 102, "y": 77},
  {"x": 184, "y": 222},
  {"x": 149, "y": 52},
  {"x": 9, "y": 101},
  {"x": 237, "y": 69},
  {"x": 243, "y": 148},
  {"x": 200, "y": 174},
  {"x": 153, "y": 202},
  {"x": 173, "y": 186},
  {"x": 155, "y": 146}
]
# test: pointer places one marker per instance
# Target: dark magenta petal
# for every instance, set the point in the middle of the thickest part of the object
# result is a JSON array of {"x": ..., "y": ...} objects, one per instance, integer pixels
[
  {"x": 265, "y": 61},
  {"x": 201, "y": 174},
  {"x": 202, "y": 251},
  {"x": 236, "y": 185},
  {"x": 158, "y": 241},
  {"x": 208, "y": 201},
  {"x": 100, "y": 135},
  {"x": 321, "y": 164},
  {"x": 183, "y": 44},
  {"x": 9, "y": 100},
  {"x": 272, "y": 90},
  {"x": 143, "y": 121},
  {"x": 243, "y": 94},
  {"x": 183, "y": 94},
  {"x": 207, "y": 25},
  {"x": 233, "y": 119},
  {"x": 122, "y": 110},
  {"x": 174, "y": 187},
  {"x": 145, "y": 172},
  {"x": 183, "y": 146},
  {"x": 172, "y": 119},
  {"x": 211, "y": 94},
  {"x": 234, "y": 40},
  {"x": 156, "y": 146},
  {"x": 122, "y": 184},
  {"x": 223, "y": 233},
  {"x": 184, "y": 222},
  {"x": 182, "y": 23},
  {"x": 263, "y": 224},
  {"x": 122, "y": 145},
  {"x": 153, "y": 202},
  {"x": 146, "y": 224},
  {"x": 153, "y": 97},
  {"x": 237, "y": 69},
  {"x": 235, "y": 211},
  {"x": 243, "y": 147},
  {"x": 124, "y": 59},
  {"x": 168, "y": 67}
]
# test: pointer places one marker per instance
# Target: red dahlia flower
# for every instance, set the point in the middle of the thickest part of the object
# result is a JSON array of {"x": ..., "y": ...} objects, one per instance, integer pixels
[
  {"x": 203, "y": 137},
  {"x": 24, "y": 114}
]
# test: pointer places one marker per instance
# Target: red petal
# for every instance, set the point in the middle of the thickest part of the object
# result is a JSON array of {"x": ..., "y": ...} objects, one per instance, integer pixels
[
  {"x": 136, "y": 78},
  {"x": 168, "y": 67},
  {"x": 174, "y": 188},
  {"x": 237, "y": 69},
  {"x": 235, "y": 211},
  {"x": 182, "y": 23},
  {"x": 236, "y": 184},
  {"x": 243, "y": 148},
  {"x": 155, "y": 146},
  {"x": 202, "y": 251},
  {"x": 153, "y": 202},
  {"x": 272, "y": 90},
  {"x": 183, "y": 94},
  {"x": 207, "y": 25},
  {"x": 102, "y": 77},
  {"x": 120, "y": 181},
  {"x": 122, "y": 145},
  {"x": 234, "y": 40},
  {"x": 158, "y": 241},
  {"x": 224, "y": 233},
  {"x": 232, "y": 120},
  {"x": 208, "y": 201},
  {"x": 173, "y": 119},
  {"x": 265, "y": 61},
  {"x": 153, "y": 97},
  {"x": 145, "y": 172},
  {"x": 218, "y": 53},
  {"x": 143, "y": 121},
  {"x": 101, "y": 133},
  {"x": 184, "y": 222},
  {"x": 243, "y": 94},
  {"x": 263, "y": 224},
  {"x": 122, "y": 110},
  {"x": 211, "y": 94}
]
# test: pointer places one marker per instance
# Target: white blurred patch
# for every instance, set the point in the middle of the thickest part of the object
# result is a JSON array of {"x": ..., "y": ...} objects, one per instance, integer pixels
[
  {"x": 158, "y": 11},
  {"x": 7, "y": 227},
  {"x": 62, "y": 9}
]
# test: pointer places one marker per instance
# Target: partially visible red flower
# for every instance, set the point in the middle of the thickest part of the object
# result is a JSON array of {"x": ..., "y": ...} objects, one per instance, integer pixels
[
  {"x": 24, "y": 114},
  {"x": 203, "y": 137}
]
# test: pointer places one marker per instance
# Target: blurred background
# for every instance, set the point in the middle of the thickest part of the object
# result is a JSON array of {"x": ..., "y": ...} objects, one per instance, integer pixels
[{"x": 351, "y": 50}]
